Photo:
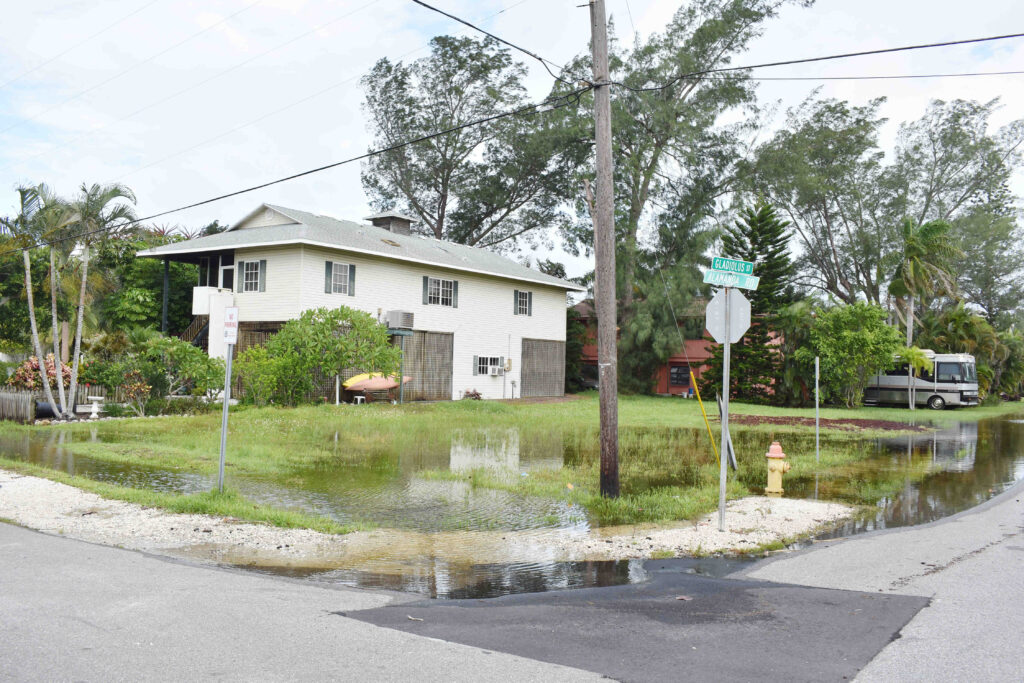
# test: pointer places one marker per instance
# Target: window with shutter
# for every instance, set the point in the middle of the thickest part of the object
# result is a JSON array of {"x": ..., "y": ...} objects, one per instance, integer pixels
[{"x": 441, "y": 292}]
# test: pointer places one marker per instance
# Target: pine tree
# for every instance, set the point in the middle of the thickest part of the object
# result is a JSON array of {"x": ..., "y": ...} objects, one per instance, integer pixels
[{"x": 761, "y": 238}]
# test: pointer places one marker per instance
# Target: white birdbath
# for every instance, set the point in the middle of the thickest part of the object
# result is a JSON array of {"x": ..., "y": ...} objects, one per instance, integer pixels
[{"x": 95, "y": 407}]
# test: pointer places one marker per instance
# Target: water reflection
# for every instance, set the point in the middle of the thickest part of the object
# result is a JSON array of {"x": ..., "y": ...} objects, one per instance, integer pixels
[
  {"x": 448, "y": 538},
  {"x": 927, "y": 476}
]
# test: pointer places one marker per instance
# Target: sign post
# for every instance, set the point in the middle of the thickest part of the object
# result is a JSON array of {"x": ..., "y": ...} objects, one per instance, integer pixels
[
  {"x": 723, "y": 473},
  {"x": 817, "y": 413},
  {"x": 231, "y": 338},
  {"x": 728, "y": 319}
]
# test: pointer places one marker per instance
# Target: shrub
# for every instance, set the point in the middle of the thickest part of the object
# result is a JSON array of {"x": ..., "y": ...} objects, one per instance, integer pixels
[
  {"x": 136, "y": 391},
  {"x": 26, "y": 375},
  {"x": 259, "y": 375}
]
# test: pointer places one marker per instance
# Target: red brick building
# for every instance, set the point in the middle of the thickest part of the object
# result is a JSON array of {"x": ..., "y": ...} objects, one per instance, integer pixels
[{"x": 671, "y": 378}]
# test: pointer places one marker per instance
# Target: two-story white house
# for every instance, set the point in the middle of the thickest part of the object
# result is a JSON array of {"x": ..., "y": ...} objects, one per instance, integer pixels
[{"x": 466, "y": 318}]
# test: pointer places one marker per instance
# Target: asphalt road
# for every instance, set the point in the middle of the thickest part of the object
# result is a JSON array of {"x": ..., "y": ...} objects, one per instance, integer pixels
[
  {"x": 970, "y": 565},
  {"x": 73, "y": 610}
]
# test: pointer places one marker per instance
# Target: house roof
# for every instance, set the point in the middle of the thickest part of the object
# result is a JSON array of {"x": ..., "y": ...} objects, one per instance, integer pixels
[{"x": 331, "y": 233}]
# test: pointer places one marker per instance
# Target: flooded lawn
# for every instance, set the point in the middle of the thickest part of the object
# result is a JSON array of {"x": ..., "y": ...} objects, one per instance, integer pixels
[{"x": 448, "y": 529}]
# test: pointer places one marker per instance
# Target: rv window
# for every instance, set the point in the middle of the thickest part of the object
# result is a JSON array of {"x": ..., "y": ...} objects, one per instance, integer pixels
[
  {"x": 901, "y": 371},
  {"x": 948, "y": 372},
  {"x": 970, "y": 374}
]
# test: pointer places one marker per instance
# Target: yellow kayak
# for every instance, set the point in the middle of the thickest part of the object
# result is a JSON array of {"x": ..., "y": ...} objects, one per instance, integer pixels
[{"x": 361, "y": 377}]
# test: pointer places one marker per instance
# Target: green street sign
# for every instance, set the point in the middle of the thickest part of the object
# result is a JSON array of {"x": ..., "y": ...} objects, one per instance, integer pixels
[
  {"x": 723, "y": 278},
  {"x": 731, "y": 265}
]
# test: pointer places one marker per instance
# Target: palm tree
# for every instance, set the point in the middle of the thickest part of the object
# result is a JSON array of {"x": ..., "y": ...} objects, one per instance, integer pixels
[
  {"x": 22, "y": 229},
  {"x": 923, "y": 268},
  {"x": 52, "y": 222},
  {"x": 102, "y": 213},
  {"x": 916, "y": 361}
]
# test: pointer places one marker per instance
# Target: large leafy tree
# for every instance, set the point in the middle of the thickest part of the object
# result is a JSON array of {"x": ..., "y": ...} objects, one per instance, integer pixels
[
  {"x": 827, "y": 173},
  {"x": 854, "y": 343},
  {"x": 823, "y": 172},
  {"x": 675, "y": 159},
  {"x": 990, "y": 272},
  {"x": 495, "y": 184},
  {"x": 759, "y": 236}
]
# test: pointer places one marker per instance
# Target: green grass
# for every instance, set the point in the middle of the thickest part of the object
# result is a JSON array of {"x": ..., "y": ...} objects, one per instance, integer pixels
[
  {"x": 227, "y": 504},
  {"x": 667, "y": 468}
]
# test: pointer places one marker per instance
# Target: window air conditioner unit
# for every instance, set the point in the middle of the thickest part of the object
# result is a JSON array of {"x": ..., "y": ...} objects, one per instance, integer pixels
[
  {"x": 400, "y": 320},
  {"x": 496, "y": 370}
]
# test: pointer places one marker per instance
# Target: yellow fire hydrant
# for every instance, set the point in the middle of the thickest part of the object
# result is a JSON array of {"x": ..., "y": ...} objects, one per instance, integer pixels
[{"x": 777, "y": 466}]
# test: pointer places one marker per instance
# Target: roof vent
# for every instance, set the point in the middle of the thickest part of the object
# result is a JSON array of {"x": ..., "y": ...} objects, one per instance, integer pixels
[{"x": 398, "y": 223}]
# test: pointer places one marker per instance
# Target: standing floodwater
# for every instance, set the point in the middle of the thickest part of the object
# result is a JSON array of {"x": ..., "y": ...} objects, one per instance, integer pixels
[{"x": 448, "y": 538}]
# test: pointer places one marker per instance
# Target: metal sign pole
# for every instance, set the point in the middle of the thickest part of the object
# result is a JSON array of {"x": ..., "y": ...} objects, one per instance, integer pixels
[
  {"x": 224, "y": 418},
  {"x": 817, "y": 415},
  {"x": 722, "y": 473}
]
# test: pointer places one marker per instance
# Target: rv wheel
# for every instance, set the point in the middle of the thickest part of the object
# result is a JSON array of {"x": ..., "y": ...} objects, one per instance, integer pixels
[{"x": 936, "y": 403}]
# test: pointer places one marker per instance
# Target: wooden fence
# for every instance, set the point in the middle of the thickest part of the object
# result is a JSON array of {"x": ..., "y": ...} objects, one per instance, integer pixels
[{"x": 19, "y": 404}]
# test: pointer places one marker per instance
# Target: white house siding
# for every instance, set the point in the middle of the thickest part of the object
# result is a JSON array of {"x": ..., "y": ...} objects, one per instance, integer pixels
[
  {"x": 483, "y": 324},
  {"x": 281, "y": 299}
]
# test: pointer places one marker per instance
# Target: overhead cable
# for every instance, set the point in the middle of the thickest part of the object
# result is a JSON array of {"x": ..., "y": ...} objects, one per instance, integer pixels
[
  {"x": 807, "y": 60},
  {"x": 549, "y": 104}
]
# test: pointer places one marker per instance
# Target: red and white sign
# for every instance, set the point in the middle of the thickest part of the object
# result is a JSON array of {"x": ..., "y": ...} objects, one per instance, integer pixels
[{"x": 231, "y": 325}]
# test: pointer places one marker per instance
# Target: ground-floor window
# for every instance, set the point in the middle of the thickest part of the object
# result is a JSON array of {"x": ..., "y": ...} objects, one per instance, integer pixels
[
  {"x": 485, "y": 363},
  {"x": 678, "y": 376}
]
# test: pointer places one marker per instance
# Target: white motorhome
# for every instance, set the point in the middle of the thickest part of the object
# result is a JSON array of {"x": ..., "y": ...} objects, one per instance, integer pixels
[{"x": 952, "y": 381}]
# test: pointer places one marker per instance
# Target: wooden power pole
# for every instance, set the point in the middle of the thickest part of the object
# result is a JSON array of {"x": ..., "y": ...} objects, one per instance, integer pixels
[{"x": 604, "y": 251}]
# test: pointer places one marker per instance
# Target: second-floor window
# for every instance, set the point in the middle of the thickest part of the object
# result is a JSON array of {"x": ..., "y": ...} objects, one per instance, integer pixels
[
  {"x": 252, "y": 276},
  {"x": 522, "y": 302},
  {"x": 440, "y": 292},
  {"x": 340, "y": 278}
]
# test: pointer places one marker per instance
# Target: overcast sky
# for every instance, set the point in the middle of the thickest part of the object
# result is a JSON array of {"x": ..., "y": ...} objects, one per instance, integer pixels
[{"x": 182, "y": 100}]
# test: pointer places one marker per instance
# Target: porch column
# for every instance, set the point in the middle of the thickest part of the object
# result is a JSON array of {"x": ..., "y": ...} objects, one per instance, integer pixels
[{"x": 167, "y": 285}]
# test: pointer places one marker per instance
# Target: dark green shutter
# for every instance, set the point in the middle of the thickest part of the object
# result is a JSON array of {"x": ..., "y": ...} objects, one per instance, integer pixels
[
  {"x": 476, "y": 364},
  {"x": 263, "y": 275},
  {"x": 455, "y": 294},
  {"x": 351, "y": 280},
  {"x": 239, "y": 275},
  {"x": 426, "y": 284},
  {"x": 515, "y": 302},
  {"x": 328, "y": 277},
  {"x": 529, "y": 303}
]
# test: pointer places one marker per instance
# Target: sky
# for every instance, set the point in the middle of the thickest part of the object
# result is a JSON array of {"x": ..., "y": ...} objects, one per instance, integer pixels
[{"x": 182, "y": 101}]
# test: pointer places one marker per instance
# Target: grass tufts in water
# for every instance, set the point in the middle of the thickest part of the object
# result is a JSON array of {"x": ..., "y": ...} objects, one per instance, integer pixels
[{"x": 227, "y": 504}]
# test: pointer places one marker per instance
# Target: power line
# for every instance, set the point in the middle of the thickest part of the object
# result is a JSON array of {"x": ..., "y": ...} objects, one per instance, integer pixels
[
  {"x": 808, "y": 60},
  {"x": 131, "y": 68},
  {"x": 551, "y": 104},
  {"x": 201, "y": 83},
  {"x": 77, "y": 45},
  {"x": 869, "y": 78},
  {"x": 286, "y": 107},
  {"x": 544, "y": 62}
]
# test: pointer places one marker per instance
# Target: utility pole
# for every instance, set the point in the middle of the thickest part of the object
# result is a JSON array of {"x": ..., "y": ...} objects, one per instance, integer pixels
[{"x": 604, "y": 252}]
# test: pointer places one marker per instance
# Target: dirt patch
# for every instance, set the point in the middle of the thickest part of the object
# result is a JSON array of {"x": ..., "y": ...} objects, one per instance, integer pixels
[
  {"x": 543, "y": 399},
  {"x": 848, "y": 424}
]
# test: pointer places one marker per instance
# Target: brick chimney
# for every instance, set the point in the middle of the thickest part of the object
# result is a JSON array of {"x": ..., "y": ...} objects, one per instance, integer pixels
[{"x": 395, "y": 222}]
